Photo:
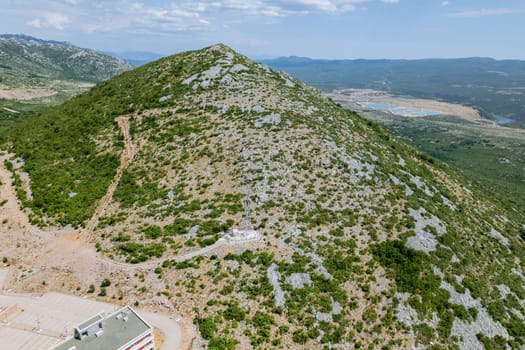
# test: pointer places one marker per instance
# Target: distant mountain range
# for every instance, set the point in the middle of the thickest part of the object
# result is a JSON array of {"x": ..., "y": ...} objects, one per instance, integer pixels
[
  {"x": 36, "y": 73},
  {"x": 496, "y": 87},
  {"x": 27, "y": 61}
]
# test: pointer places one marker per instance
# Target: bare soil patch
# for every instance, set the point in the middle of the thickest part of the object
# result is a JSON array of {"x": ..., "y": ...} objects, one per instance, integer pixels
[{"x": 26, "y": 94}]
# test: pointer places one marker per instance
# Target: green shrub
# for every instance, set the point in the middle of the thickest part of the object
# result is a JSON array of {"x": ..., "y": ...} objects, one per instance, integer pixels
[
  {"x": 207, "y": 327},
  {"x": 105, "y": 283},
  {"x": 136, "y": 252},
  {"x": 234, "y": 312},
  {"x": 411, "y": 268},
  {"x": 222, "y": 343},
  {"x": 300, "y": 336}
]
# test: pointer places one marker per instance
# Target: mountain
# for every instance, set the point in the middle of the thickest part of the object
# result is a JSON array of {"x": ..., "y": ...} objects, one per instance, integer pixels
[
  {"x": 36, "y": 73},
  {"x": 252, "y": 204},
  {"x": 29, "y": 62},
  {"x": 494, "y": 86}
]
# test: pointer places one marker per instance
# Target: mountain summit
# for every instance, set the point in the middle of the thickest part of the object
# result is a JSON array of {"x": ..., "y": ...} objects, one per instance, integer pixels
[{"x": 271, "y": 215}]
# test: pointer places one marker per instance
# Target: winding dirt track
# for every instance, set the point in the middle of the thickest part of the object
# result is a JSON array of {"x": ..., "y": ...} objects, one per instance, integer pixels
[
  {"x": 79, "y": 241},
  {"x": 62, "y": 253},
  {"x": 125, "y": 158}
]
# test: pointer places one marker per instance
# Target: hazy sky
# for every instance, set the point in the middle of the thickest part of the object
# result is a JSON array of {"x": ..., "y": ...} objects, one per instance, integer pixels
[{"x": 257, "y": 28}]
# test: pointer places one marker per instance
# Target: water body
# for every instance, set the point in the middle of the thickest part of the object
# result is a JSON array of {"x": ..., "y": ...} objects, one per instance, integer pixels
[
  {"x": 403, "y": 111},
  {"x": 504, "y": 120}
]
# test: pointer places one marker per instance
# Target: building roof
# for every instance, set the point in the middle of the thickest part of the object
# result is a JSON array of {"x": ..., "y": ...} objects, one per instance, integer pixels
[
  {"x": 117, "y": 330},
  {"x": 93, "y": 320},
  {"x": 39, "y": 323}
]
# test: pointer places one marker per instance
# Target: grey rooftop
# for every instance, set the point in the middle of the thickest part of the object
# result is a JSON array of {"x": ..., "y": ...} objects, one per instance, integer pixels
[{"x": 111, "y": 332}]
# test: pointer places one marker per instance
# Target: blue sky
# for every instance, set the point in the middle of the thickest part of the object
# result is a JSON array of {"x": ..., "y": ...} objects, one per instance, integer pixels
[{"x": 257, "y": 28}]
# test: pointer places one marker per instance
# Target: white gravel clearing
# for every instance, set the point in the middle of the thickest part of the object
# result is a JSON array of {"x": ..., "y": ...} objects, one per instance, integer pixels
[
  {"x": 289, "y": 83},
  {"x": 239, "y": 68},
  {"x": 165, "y": 98},
  {"x": 484, "y": 324},
  {"x": 401, "y": 161},
  {"x": 397, "y": 182},
  {"x": 273, "y": 118},
  {"x": 360, "y": 169},
  {"x": 327, "y": 316},
  {"x": 448, "y": 203},
  {"x": 311, "y": 110},
  {"x": 416, "y": 180}
]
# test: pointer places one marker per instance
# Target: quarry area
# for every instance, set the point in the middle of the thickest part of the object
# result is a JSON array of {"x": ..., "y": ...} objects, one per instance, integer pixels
[{"x": 367, "y": 99}]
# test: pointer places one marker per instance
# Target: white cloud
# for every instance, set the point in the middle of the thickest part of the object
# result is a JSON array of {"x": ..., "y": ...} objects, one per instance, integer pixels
[
  {"x": 35, "y": 23},
  {"x": 134, "y": 17},
  {"x": 391, "y": 1},
  {"x": 482, "y": 13},
  {"x": 202, "y": 15},
  {"x": 445, "y": 3},
  {"x": 322, "y": 5},
  {"x": 329, "y": 6},
  {"x": 50, "y": 20},
  {"x": 164, "y": 17},
  {"x": 250, "y": 7}
]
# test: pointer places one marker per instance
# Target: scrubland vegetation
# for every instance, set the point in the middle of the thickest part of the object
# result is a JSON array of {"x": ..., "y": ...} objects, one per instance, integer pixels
[{"x": 366, "y": 241}]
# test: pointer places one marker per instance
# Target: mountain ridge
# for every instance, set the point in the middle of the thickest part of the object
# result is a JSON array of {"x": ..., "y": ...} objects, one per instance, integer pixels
[
  {"x": 35, "y": 73},
  {"x": 33, "y": 58},
  {"x": 459, "y": 59},
  {"x": 492, "y": 86},
  {"x": 29, "y": 38}
]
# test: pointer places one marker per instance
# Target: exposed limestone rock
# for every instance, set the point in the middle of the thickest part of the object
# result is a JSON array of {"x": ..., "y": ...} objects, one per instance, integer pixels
[{"x": 425, "y": 240}]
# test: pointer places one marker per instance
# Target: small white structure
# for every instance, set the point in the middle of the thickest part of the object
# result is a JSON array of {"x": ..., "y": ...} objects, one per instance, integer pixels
[{"x": 237, "y": 235}]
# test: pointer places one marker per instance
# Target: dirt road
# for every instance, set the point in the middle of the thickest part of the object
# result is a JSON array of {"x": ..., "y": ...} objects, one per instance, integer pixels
[{"x": 125, "y": 158}]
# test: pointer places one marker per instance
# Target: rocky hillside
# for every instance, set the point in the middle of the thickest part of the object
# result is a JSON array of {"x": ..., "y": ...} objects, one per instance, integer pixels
[
  {"x": 272, "y": 216},
  {"x": 30, "y": 62},
  {"x": 36, "y": 73}
]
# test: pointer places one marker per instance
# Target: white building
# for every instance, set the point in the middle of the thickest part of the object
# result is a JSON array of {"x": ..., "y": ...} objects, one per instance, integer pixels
[
  {"x": 122, "y": 330},
  {"x": 237, "y": 235}
]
